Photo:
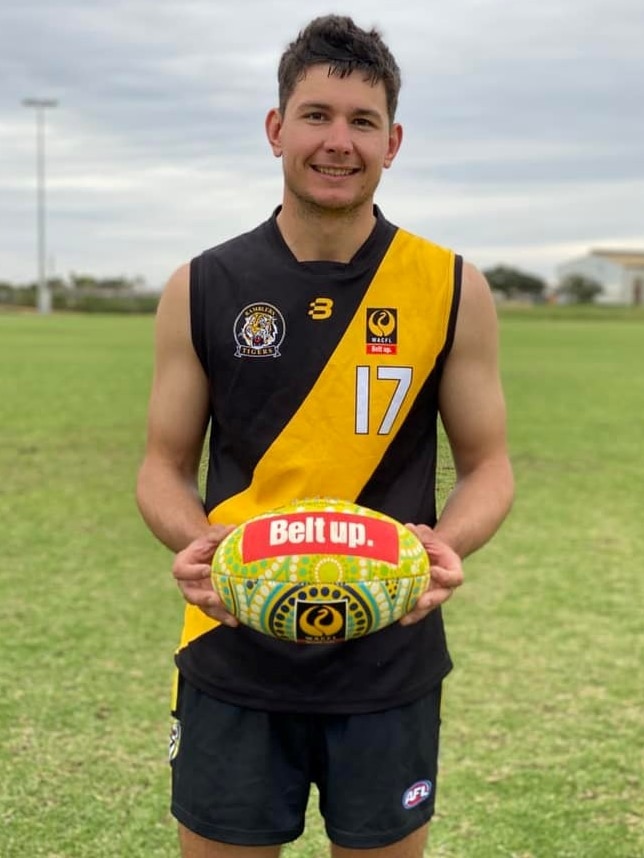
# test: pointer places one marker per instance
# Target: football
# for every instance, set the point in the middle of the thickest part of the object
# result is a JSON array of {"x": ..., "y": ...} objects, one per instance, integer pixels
[{"x": 320, "y": 571}]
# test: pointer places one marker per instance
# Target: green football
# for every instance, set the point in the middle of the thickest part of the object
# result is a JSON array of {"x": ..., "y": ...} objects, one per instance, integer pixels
[{"x": 320, "y": 571}]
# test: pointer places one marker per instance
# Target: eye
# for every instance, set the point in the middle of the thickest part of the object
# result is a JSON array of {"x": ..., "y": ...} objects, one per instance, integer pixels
[
  {"x": 314, "y": 116},
  {"x": 363, "y": 122}
]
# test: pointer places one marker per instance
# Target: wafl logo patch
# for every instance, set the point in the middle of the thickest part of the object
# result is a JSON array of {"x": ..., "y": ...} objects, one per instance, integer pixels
[
  {"x": 382, "y": 331},
  {"x": 416, "y": 794},
  {"x": 259, "y": 331}
]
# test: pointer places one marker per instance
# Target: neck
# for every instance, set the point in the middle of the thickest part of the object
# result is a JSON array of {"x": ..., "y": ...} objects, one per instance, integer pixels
[{"x": 315, "y": 234}]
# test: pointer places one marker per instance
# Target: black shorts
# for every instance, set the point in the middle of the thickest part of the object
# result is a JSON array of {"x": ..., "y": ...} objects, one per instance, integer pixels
[{"x": 242, "y": 776}]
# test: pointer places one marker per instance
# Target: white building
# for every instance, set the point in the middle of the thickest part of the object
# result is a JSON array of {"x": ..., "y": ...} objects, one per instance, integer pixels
[{"x": 620, "y": 272}]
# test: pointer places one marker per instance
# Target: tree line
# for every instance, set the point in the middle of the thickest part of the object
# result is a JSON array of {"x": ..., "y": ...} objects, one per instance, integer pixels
[
  {"x": 84, "y": 293},
  {"x": 513, "y": 284}
]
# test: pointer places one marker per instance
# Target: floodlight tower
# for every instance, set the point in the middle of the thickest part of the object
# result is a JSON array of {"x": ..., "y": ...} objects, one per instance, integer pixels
[{"x": 40, "y": 105}]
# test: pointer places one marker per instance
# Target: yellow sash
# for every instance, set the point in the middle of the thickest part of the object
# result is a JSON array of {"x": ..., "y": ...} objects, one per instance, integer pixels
[{"x": 319, "y": 453}]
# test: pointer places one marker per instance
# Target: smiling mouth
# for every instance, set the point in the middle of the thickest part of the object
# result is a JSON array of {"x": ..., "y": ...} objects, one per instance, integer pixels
[{"x": 337, "y": 172}]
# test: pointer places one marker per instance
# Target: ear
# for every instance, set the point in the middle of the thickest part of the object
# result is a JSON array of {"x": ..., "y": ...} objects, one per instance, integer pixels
[
  {"x": 273, "y": 127},
  {"x": 395, "y": 140}
]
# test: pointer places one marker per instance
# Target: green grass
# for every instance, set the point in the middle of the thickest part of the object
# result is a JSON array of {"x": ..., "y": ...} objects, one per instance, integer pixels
[{"x": 542, "y": 722}]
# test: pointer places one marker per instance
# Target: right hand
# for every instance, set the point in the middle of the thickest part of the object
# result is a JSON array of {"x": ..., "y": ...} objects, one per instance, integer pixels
[
  {"x": 191, "y": 569},
  {"x": 446, "y": 574}
]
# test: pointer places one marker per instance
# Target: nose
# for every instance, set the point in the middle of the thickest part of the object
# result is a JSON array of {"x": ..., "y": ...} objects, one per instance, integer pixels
[{"x": 338, "y": 138}]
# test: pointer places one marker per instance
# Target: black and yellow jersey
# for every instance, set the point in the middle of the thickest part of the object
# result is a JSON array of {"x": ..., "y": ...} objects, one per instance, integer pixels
[{"x": 323, "y": 381}]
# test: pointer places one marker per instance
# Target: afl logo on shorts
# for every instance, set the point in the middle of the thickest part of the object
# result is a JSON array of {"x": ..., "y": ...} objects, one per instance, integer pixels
[
  {"x": 416, "y": 794},
  {"x": 259, "y": 331}
]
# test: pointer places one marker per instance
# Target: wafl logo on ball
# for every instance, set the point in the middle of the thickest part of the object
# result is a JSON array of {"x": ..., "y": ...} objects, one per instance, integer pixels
[
  {"x": 259, "y": 331},
  {"x": 314, "y": 533},
  {"x": 320, "y": 622}
]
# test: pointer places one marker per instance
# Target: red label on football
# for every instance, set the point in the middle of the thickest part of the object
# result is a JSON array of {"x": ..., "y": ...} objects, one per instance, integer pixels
[{"x": 320, "y": 533}]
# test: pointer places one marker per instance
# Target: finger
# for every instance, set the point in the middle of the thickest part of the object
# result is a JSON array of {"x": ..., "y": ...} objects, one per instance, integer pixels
[
  {"x": 422, "y": 531},
  {"x": 198, "y": 592},
  {"x": 219, "y": 532},
  {"x": 208, "y": 601},
  {"x": 433, "y": 598},
  {"x": 202, "y": 549},
  {"x": 429, "y": 601},
  {"x": 220, "y": 614},
  {"x": 439, "y": 552},
  {"x": 214, "y": 607},
  {"x": 442, "y": 577},
  {"x": 184, "y": 571}
]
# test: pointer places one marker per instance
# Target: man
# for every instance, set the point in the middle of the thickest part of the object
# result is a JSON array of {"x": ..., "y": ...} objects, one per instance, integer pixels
[{"x": 320, "y": 348}]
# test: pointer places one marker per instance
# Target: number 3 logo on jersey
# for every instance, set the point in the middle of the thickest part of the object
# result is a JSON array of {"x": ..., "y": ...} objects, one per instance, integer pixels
[{"x": 321, "y": 308}]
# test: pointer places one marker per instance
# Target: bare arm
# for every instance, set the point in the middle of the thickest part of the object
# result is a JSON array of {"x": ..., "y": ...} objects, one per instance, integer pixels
[
  {"x": 167, "y": 489},
  {"x": 473, "y": 411}
]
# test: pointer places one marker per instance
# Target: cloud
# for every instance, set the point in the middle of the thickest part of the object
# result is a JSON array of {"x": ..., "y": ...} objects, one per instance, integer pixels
[{"x": 522, "y": 126}]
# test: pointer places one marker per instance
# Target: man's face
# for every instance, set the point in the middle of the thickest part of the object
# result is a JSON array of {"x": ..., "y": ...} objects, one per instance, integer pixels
[{"x": 334, "y": 138}]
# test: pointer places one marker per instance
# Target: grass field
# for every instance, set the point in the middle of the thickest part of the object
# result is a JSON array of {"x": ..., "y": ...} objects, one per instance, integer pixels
[{"x": 543, "y": 724}]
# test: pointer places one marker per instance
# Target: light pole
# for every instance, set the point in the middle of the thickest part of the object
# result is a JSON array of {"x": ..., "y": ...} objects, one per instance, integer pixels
[{"x": 40, "y": 105}]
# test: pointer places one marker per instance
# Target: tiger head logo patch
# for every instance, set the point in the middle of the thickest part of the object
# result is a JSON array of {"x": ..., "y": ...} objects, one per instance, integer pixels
[{"x": 259, "y": 331}]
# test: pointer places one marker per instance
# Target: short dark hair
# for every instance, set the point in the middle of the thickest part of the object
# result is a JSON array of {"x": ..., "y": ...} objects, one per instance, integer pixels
[{"x": 337, "y": 41}]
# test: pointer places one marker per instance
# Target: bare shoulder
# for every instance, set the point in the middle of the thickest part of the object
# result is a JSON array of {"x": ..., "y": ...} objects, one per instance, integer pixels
[
  {"x": 477, "y": 312},
  {"x": 180, "y": 278},
  {"x": 173, "y": 312},
  {"x": 476, "y": 293},
  {"x": 175, "y": 292},
  {"x": 179, "y": 377}
]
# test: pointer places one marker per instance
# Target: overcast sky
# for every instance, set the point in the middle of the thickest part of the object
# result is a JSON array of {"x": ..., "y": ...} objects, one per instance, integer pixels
[{"x": 524, "y": 127}]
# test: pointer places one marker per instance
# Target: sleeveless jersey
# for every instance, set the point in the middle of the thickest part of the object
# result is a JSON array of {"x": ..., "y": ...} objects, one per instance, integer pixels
[{"x": 323, "y": 382}]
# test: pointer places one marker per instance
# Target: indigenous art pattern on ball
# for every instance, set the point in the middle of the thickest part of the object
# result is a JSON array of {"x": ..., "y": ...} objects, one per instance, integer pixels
[{"x": 336, "y": 571}]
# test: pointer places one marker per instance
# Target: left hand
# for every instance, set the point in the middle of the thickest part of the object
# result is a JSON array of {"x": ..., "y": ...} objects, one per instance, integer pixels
[
  {"x": 446, "y": 574},
  {"x": 191, "y": 569}
]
